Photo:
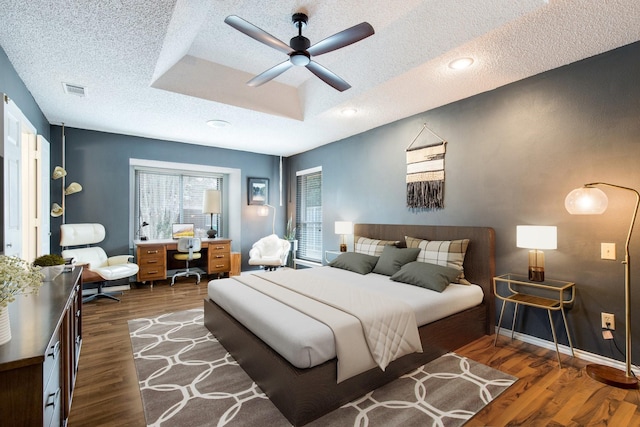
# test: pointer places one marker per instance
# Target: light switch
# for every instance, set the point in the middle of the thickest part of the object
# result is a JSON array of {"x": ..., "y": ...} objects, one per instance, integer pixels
[{"x": 608, "y": 251}]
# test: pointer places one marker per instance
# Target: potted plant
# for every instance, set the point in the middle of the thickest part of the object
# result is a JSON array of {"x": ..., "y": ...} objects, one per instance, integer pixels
[
  {"x": 17, "y": 277},
  {"x": 290, "y": 234},
  {"x": 52, "y": 265}
]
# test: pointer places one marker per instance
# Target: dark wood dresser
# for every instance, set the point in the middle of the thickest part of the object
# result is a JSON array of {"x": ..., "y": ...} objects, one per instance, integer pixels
[{"x": 38, "y": 366}]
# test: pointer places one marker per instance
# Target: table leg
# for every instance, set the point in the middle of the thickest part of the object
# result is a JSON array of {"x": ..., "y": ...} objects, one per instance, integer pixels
[
  {"x": 513, "y": 323},
  {"x": 499, "y": 323},
  {"x": 555, "y": 339},
  {"x": 566, "y": 328}
]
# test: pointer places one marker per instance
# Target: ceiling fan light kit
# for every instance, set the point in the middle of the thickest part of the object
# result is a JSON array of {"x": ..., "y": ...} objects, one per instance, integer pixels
[{"x": 300, "y": 50}]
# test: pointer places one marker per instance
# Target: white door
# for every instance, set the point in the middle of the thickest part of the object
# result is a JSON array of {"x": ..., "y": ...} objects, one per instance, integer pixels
[
  {"x": 12, "y": 172},
  {"x": 43, "y": 182}
]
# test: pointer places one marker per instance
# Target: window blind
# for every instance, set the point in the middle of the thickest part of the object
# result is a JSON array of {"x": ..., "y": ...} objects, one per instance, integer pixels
[
  {"x": 167, "y": 197},
  {"x": 309, "y": 215}
]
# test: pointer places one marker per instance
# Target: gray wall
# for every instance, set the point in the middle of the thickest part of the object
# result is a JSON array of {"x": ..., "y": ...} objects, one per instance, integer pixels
[
  {"x": 513, "y": 154},
  {"x": 99, "y": 161},
  {"x": 12, "y": 85}
]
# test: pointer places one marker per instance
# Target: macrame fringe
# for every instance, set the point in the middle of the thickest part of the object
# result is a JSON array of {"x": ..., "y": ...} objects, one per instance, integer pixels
[{"x": 425, "y": 194}]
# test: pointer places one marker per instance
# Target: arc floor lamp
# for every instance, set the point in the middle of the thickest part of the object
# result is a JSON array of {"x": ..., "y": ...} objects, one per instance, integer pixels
[{"x": 590, "y": 200}]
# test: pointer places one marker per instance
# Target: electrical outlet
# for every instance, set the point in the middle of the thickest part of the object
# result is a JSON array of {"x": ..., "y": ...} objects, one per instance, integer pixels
[
  {"x": 608, "y": 321},
  {"x": 608, "y": 251}
]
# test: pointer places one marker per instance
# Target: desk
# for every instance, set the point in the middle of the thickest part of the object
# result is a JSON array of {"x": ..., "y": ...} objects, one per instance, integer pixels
[
  {"x": 151, "y": 256},
  {"x": 521, "y": 290}
]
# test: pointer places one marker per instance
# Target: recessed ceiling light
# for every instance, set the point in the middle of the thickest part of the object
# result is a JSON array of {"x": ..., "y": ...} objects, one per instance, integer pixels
[
  {"x": 460, "y": 63},
  {"x": 218, "y": 124},
  {"x": 349, "y": 112}
]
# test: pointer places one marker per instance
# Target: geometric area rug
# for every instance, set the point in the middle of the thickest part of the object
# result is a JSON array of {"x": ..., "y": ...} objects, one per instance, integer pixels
[{"x": 188, "y": 379}]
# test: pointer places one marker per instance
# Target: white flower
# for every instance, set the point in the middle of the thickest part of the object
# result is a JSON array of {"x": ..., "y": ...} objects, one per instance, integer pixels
[{"x": 17, "y": 276}]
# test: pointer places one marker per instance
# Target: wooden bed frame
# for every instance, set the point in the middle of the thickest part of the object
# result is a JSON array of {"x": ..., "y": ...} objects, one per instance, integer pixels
[{"x": 303, "y": 395}]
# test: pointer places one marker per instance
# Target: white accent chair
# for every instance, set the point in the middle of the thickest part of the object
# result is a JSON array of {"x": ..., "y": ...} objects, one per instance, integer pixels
[
  {"x": 270, "y": 252},
  {"x": 76, "y": 241},
  {"x": 188, "y": 250}
]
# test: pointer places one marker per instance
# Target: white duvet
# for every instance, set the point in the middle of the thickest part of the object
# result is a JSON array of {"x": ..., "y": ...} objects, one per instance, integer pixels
[{"x": 366, "y": 324}]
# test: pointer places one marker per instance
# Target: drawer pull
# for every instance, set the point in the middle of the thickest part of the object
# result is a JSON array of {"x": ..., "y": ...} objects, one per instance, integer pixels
[
  {"x": 54, "y": 350},
  {"x": 219, "y": 265},
  {"x": 220, "y": 247},
  {"x": 152, "y": 252},
  {"x": 152, "y": 261},
  {"x": 78, "y": 313},
  {"x": 53, "y": 398},
  {"x": 219, "y": 256},
  {"x": 152, "y": 272}
]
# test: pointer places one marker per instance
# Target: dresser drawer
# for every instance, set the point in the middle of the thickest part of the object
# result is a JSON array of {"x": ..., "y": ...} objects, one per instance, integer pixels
[{"x": 52, "y": 392}]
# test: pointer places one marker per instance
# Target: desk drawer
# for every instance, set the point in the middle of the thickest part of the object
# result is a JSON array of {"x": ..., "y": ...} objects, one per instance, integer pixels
[
  {"x": 224, "y": 248},
  {"x": 152, "y": 262},
  {"x": 219, "y": 263}
]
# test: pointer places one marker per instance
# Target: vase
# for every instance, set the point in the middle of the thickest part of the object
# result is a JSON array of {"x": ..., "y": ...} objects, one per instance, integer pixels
[{"x": 5, "y": 326}]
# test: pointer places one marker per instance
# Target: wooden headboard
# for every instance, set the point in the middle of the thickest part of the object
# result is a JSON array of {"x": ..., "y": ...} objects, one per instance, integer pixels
[{"x": 479, "y": 262}]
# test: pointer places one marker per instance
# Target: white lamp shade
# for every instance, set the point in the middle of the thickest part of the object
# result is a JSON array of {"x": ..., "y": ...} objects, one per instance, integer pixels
[
  {"x": 211, "y": 202},
  {"x": 537, "y": 236},
  {"x": 263, "y": 210},
  {"x": 344, "y": 227},
  {"x": 586, "y": 201}
]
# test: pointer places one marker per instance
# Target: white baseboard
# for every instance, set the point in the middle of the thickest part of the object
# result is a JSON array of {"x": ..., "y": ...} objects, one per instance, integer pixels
[{"x": 565, "y": 349}]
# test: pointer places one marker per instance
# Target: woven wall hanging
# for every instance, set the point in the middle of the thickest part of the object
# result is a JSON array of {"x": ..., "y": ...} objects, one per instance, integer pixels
[{"x": 425, "y": 173}]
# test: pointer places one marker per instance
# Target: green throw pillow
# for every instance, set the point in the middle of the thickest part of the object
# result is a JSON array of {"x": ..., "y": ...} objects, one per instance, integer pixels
[
  {"x": 429, "y": 276},
  {"x": 393, "y": 258},
  {"x": 358, "y": 263}
]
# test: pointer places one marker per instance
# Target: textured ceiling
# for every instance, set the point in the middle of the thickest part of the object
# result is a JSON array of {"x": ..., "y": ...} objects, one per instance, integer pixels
[{"x": 162, "y": 68}]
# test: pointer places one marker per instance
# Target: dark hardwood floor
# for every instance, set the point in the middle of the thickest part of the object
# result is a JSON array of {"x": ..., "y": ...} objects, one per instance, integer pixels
[{"x": 107, "y": 393}]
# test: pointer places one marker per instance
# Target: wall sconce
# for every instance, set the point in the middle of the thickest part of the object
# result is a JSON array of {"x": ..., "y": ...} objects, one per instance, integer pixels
[
  {"x": 342, "y": 228},
  {"x": 211, "y": 205},
  {"x": 536, "y": 237}
]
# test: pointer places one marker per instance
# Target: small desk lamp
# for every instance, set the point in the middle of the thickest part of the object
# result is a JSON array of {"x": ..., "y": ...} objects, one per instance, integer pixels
[
  {"x": 140, "y": 235},
  {"x": 536, "y": 237},
  {"x": 342, "y": 228},
  {"x": 590, "y": 200},
  {"x": 211, "y": 205}
]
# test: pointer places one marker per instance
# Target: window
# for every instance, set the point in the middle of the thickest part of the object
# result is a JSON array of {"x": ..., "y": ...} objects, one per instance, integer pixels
[
  {"x": 164, "y": 197},
  {"x": 309, "y": 214}
]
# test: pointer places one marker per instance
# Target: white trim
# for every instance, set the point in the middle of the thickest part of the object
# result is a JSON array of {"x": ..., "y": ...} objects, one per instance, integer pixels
[
  {"x": 233, "y": 192},
  {"x": 308, "y": 171},
  {"x": 565, "y": 349},
  {"x": 306, "y": 263}
]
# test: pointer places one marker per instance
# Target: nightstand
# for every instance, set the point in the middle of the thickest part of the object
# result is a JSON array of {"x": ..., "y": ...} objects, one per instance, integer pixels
[{"x": 551, "y": 295}]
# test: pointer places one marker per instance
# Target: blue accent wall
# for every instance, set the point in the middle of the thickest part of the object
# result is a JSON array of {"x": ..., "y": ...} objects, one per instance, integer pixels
[{"x": 513, "y": 154}]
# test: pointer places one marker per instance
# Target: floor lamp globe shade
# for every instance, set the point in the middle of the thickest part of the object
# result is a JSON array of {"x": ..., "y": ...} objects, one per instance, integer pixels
[
  {"x": 211, "y": 205},
  {"x": 586, "y": 201}
]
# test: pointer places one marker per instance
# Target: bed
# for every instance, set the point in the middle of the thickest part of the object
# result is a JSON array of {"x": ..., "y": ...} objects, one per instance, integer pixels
[{"x": 305, "y": 394}]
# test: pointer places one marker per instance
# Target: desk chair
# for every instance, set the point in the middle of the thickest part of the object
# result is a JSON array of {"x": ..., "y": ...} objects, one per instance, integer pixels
[
  {"x": 188, "y": 250},
  {"x": 98, "y": 266}
]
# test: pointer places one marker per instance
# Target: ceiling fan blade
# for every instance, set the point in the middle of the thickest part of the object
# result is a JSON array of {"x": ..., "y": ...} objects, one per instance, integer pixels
[
  {"x": 257, "y": 33},
  {"x": 342, "y": 39},
  {"x": 270, "y": 74},
  {"x": 328, "y": 77}
]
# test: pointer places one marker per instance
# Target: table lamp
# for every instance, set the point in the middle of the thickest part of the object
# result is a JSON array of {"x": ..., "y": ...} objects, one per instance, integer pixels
[
  {"x": 211, "y": 205},
  {"x": 536, "y": 237},
  {"x": 342, "y": 228},
  {"x": 590, "y": 200}
]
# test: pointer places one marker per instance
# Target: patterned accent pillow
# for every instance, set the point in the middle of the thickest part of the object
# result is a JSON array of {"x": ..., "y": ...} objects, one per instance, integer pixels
[
  {"x": 447, "y": 253},
  {"x": 364, "y": 245}
]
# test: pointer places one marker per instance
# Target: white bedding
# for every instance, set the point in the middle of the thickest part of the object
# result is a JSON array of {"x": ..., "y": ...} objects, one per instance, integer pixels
[{"x": 305, "y": 342}]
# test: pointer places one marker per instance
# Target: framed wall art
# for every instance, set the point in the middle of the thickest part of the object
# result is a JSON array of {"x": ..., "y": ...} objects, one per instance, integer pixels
[{"x": 258, "y": 191}]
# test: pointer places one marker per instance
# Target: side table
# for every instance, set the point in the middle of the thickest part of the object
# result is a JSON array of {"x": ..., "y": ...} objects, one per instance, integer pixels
[{"x": 551, "y": 295}]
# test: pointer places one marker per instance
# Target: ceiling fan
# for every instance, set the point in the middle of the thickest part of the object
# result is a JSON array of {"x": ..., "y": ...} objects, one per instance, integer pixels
[{"x": 300, "y": 50}]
